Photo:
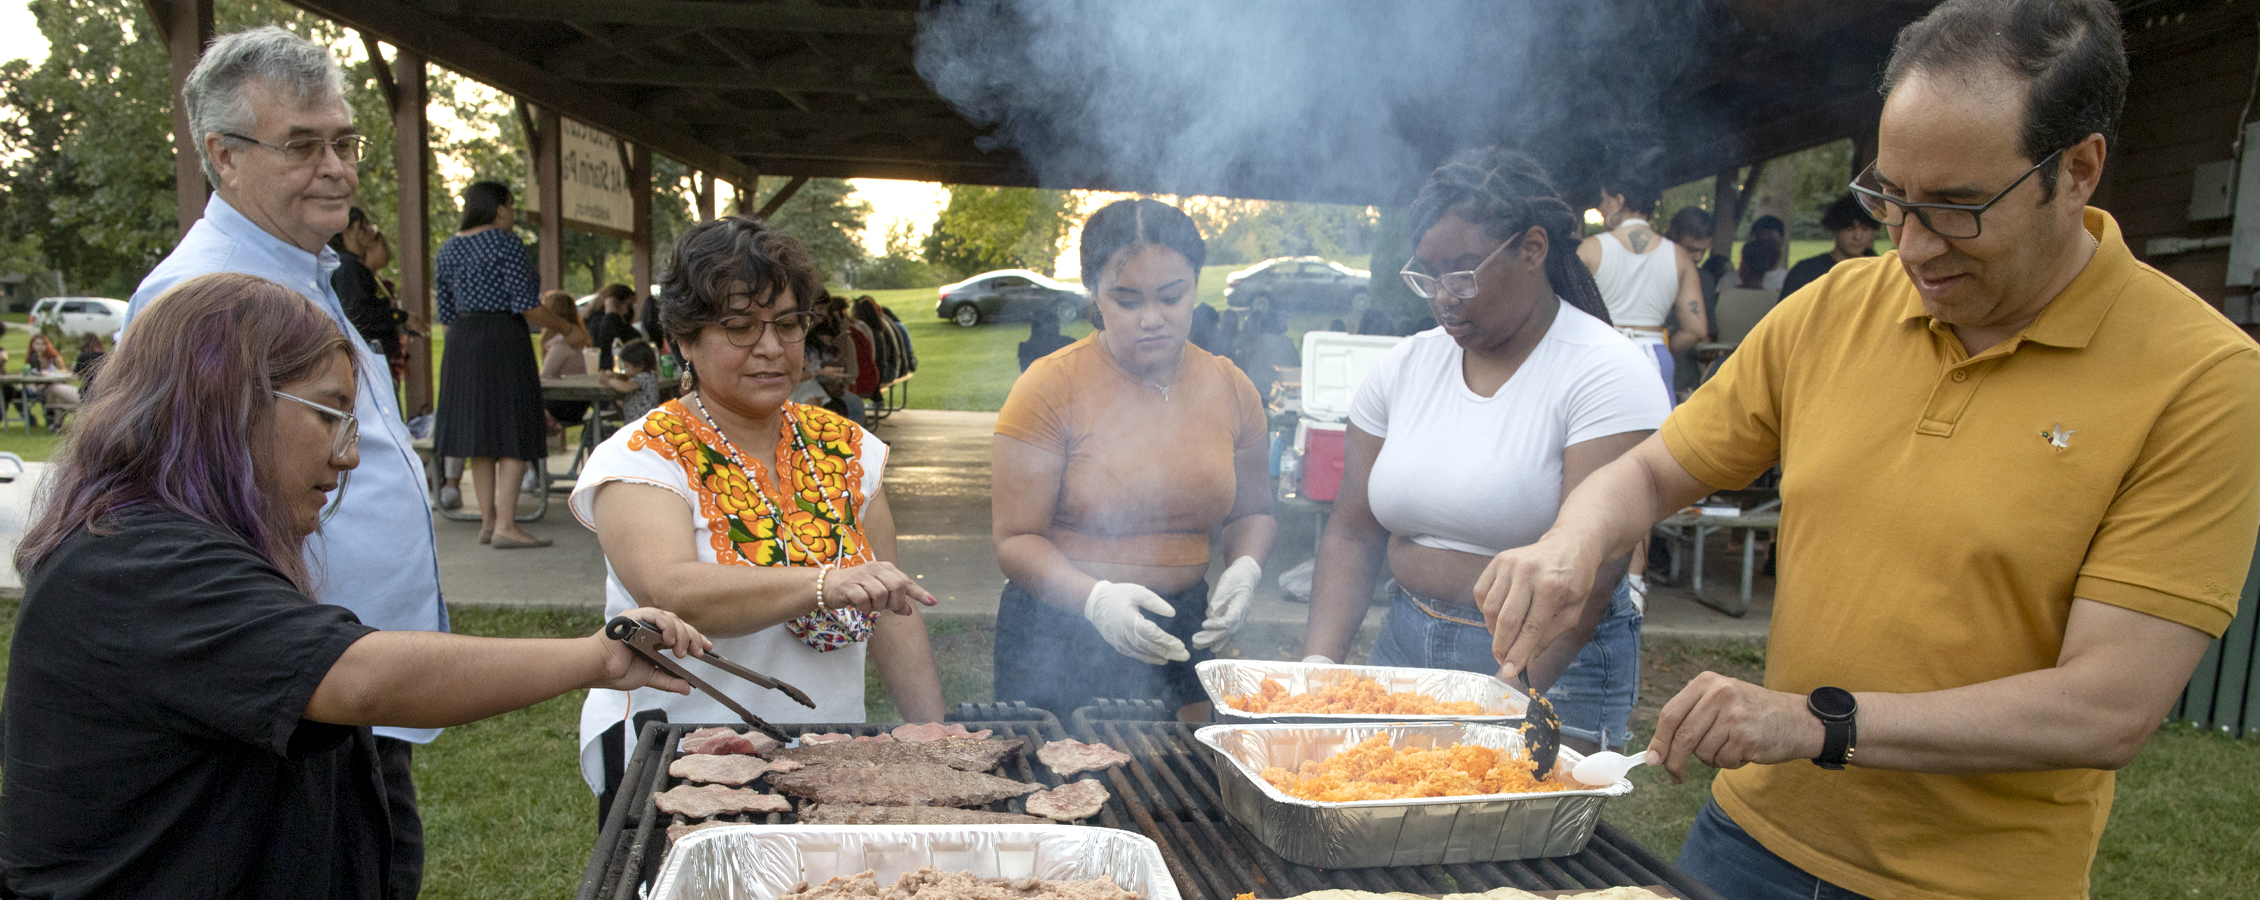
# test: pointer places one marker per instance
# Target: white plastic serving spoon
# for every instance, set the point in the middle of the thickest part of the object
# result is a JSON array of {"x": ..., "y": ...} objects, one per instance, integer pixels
[{"x": 1603, "y": 768}]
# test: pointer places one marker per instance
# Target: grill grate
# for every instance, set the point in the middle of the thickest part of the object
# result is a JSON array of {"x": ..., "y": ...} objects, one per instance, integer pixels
[
  {"x": 1169, "y": 792},
  {"x": 633, "y": 841}
]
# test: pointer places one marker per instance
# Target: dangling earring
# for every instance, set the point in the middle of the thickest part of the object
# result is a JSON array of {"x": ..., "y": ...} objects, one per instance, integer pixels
[{"x": 690, "y": 379}]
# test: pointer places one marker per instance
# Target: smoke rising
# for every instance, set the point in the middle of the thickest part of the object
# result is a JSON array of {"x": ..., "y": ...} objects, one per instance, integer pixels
[{"x": 1326, "y": 101}]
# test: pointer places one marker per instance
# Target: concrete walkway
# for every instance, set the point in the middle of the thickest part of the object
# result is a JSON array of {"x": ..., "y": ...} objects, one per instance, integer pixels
[{"x": 938, "y": 483}]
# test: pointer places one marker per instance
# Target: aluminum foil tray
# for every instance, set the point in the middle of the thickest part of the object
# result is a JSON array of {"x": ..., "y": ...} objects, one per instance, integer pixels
[
  {"x": 1421, "y": 832},
  {"x": 1221, "y": 678},
  {"x": 763, "y": 862}
]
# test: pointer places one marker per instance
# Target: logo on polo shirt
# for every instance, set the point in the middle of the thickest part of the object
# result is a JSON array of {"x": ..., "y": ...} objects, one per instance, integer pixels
[{"x": 2058, "y": 437}]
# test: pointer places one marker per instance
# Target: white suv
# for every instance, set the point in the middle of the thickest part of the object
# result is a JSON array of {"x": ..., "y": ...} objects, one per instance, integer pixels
[{"x": 77, "y": 316}]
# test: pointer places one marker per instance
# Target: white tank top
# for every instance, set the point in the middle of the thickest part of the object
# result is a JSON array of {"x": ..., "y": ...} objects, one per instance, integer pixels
[{"x": 1638, "y": 287}]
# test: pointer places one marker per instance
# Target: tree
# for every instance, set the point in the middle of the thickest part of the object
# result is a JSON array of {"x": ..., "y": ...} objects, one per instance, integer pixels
[
  {"x": 87, "y": 136},
  {"x": 825, "y": 215},
  {"x": 986, "y": 228}
]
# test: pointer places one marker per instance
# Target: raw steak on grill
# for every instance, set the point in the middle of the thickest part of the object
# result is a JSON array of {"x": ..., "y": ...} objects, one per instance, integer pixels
[
  {"x": 968, "y": 754},
  {"x": 712, "y": 800},
  {"x": 723, "y": 740},
  {"x": 1070, "y": 802},
  {"x": 852, "y": 814},
  {"x": 1071, "y": 757},
  {"x": 707, "y": 768},
  {"x": 917, "y": 731},
  {"x": 906, "y": 784}
]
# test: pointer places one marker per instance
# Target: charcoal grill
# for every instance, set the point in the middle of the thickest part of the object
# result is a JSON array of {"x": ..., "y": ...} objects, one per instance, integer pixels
[
  {"x": 633, "y": 841},
  {"x": 1168, "y": 792}
]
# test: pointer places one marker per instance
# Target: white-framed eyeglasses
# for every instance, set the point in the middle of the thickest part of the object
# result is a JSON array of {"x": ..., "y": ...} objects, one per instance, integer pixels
[
  {"x": 1458, "y": 284},
  {"x": 346, "y": 433}
]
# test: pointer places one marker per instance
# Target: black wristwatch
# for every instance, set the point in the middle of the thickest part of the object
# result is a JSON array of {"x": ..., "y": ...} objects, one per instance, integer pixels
[{"x": 1837, "y": 710}]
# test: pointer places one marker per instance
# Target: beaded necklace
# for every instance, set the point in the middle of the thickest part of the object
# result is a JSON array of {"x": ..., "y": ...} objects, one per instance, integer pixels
[{"x": 792, "y": 426}]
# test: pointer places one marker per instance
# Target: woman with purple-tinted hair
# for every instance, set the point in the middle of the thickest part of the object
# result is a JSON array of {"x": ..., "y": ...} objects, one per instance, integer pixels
[{"x": 181, "y": 718}]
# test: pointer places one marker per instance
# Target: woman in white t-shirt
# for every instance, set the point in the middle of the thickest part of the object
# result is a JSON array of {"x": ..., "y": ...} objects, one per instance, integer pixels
[
  {"x": 758, "y": 519},
  {"x": 1464, "y": 440}
]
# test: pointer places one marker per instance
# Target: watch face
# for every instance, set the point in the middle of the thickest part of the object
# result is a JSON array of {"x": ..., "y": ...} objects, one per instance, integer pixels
[{"x": 1833, "y": 703}]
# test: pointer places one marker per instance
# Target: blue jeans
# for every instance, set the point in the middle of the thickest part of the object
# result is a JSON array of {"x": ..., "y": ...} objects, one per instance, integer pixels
[
  {"x": 1594, "y": 697},
  {"x": 1723, "y": 856}
]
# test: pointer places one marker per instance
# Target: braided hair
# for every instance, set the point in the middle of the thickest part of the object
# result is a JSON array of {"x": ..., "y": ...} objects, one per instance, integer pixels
[{"x": 1506, "y": 193}]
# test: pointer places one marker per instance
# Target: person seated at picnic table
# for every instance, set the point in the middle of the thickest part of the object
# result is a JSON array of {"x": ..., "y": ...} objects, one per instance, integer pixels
[
  {"x": 637, "y": 378},
  {"x": 43, "y": 360},
  {"x": 830, "y": 360},
  {"x": 1114, "y": 459},
  {"x": 90, "y": 353},
  {"x": 760, "y": 521},
  {"x": 1464, "y": 439},
  {"x": 607, "y": 324},
  {"x": 183, "y": 717},
  {"x": 560, "y": 357}
]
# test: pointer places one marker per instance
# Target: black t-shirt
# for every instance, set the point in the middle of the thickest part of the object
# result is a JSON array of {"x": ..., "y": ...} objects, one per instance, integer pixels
[
  {"x": 363, "y": 299},
  {"x": 153, "y": 745},
  {"x": 1809, "y": 270},
  {"x": 604, "y": 328}
]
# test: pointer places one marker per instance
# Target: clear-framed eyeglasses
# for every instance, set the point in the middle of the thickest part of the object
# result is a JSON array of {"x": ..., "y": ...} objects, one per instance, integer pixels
[
  {"x": 305, "y": 150},
  {"x": 1458, "y": 284},
  {"x": 746, "y": 331},
  {"x": 1958, "y": 221},
  {"x": 346, "y": 432}
]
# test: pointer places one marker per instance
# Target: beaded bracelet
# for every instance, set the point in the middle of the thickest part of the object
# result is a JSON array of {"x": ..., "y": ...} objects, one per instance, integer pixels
[{"x": 821, "y": 571}]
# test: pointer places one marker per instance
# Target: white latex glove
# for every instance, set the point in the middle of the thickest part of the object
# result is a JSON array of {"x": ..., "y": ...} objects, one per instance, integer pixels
[
  {"x": 1115, "y": 610},
  {"x": 1319, "y": 659},
  {"x": 1228, "y": 606}
]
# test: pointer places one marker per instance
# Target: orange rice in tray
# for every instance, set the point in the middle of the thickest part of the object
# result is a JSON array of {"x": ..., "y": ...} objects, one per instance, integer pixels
[
  {"x": 1373, "y": 770},
  {"x": 1354, "y": 694}
]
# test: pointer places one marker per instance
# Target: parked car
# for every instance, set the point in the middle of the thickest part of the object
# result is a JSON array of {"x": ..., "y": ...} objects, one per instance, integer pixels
[
  {"x": 1304, "y": 282},
  {"x": 1009, "y": 295},
  {"x": 77, "y": 316}
]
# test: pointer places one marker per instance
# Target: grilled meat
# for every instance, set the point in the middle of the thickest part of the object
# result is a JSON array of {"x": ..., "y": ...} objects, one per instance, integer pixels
[
  {"x": 1071, "y": 757},
  {"x": 724, "y": 740},
  {"x": 965, "y": 753},
  {"x": 852, "y": 814},
  {"x": 712, "y": 800},
  {"x": 705, "y": 768},
  {"x": 1070, "y": 802},
  {"x": 904, "y": 784}
]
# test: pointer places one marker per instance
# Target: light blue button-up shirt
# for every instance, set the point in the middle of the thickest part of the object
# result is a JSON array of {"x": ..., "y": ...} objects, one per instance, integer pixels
[{"x": 376, "y": 556}]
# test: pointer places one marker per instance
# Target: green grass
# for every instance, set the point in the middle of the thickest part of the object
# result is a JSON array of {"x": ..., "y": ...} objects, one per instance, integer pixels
[
  {"x": 506, "y": 815},
  {"x": 973, "y": 368}
]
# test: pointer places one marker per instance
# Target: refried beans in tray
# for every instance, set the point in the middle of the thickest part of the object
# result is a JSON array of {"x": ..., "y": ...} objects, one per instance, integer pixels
[
  {"x": 1354, "y": 694},
  {"x": 1373, "y": 770},
  {"x": 930, "y": 883}
]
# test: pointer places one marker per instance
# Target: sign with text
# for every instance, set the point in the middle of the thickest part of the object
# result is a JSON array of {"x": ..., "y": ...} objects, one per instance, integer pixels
[{"x": 592, "y": 180}]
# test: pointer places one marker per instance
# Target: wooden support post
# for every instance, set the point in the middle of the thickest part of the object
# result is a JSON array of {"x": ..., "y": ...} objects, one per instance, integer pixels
[
  {"x": 549, "y": 180},
  {"x": 412, "y": 238},
  {"x": 185, "y": 26},
  {"x": 705, "y": 182},
  {"x": 639, "y": 192},
  {"x": 741, "y": 197},
  {"x": 783, "y": 194},
  {"x": 1726, "y": 201}
]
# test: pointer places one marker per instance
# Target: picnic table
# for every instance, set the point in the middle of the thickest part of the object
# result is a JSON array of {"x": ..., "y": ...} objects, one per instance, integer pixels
[
  {"x": 22, "y": 404},
  {"x": 1691, "y": 527}
]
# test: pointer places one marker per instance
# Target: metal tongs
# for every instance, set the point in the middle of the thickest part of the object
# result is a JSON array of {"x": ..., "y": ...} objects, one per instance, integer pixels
[
  {"x": 650, "y": 643},
  {"x": 1541, "y": 730}
]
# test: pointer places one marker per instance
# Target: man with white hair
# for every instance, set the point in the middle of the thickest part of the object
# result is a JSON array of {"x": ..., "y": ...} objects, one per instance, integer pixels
[{"x": 279, "y": 146}]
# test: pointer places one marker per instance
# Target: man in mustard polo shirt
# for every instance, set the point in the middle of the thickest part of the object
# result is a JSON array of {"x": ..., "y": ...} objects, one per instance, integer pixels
[{"x": 2020, "y": 489}]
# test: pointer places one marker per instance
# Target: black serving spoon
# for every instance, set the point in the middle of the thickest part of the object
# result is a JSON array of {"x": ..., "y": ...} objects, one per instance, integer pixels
[{"x": 1541, "y": 730}]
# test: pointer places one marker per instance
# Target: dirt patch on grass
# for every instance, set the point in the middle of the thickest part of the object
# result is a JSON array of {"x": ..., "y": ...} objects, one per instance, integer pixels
[{"x": 1668, "y": 664}]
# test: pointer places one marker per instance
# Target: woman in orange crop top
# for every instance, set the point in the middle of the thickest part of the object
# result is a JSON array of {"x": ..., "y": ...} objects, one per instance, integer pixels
[{"x": 1114, "y": 459}]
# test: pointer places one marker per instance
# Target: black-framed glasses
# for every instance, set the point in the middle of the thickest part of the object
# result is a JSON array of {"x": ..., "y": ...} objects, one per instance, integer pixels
[
  {"x": 1457, "y": 284},
  {"x": 344, "y": 435},
  {"x": 1959, "y": 221},
  {"x": 746, "y": 331},
  {"x": 304, "y": 150}
]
